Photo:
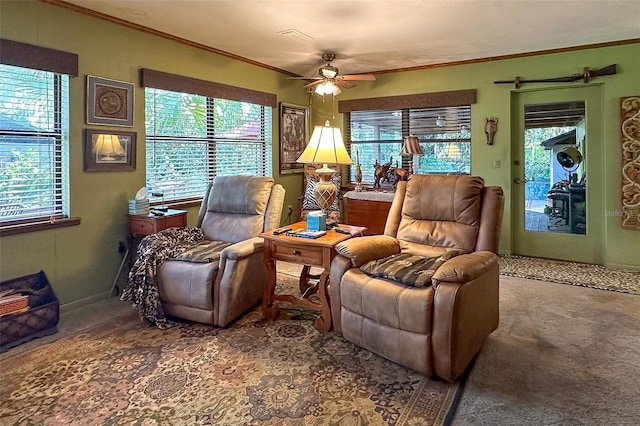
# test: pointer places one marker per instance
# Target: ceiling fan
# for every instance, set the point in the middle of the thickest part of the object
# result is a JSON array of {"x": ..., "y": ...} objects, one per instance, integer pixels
[{"x": 329, "y": 81}]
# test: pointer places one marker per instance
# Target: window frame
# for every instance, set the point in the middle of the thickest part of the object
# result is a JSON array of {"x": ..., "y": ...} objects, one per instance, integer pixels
[
  {"x": 213, "y": 141},
  {"x": 453, "y": 98},
  {"x": 62, "y": 65},
  {"x": 404, "y": 120}
]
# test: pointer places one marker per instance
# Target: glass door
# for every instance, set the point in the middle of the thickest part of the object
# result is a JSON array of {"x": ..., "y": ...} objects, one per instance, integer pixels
[{"x": 557, "y": 174}]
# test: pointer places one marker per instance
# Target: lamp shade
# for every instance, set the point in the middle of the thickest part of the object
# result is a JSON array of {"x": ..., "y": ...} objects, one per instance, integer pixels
[
  {"x": 325, "y": 146},
  {"x": 411, "y": 146}
]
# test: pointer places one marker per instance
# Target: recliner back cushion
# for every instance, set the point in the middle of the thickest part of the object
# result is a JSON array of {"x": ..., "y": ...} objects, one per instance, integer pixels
[
  {"x": 236, "y": 207},
  {"x": 442, "y": 211}
]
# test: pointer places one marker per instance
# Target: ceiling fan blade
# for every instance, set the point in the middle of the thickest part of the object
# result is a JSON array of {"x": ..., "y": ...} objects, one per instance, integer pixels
[
  {"x": 303, "y": 78},
  {"x": 314, "y": 83},
  {"x": 345, "y": 84},
  {"x": 363, "y": 77}
]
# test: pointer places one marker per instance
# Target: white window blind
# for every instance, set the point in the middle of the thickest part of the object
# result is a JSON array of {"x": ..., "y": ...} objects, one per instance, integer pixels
[
  {"x": 444, "y": 134},
  {"x": 33, "y": 145},
  {"x": 190, "y": 139}
]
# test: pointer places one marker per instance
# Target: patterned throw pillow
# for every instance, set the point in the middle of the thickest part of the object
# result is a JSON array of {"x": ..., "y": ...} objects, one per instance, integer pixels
[
  {"x": 309, "y": 200},
  {"x": 407, "y": 269},
  {"x": 202, "y": 252}
]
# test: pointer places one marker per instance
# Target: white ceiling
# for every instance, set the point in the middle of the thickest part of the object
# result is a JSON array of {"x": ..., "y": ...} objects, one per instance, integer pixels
[{"x": 380, "y": 35}]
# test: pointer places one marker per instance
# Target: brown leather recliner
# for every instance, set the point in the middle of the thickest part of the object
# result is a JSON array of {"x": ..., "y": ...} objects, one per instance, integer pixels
[
  {"x": 438, "y": 329},
  {"x": 235, "y": 209}
]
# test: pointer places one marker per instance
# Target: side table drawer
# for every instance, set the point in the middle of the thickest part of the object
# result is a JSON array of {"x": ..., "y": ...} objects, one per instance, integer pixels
[
  {"x": 141, "y": 226},
  {"x": 296, "y": 254}
]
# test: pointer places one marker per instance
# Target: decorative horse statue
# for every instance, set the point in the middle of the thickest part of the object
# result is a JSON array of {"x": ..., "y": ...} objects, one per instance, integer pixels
[
  {"x": 401, "y": 174},
  {"x": 381, "y": 173}
]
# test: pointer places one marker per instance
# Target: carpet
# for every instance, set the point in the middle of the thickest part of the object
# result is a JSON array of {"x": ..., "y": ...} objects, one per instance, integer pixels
[
  {"x": 281, "y": 372},
  {"x": 562, "y": 355},
  {"x": 573, "y": 273}
]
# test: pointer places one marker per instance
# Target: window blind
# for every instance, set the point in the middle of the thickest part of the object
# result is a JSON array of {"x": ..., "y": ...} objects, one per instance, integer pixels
[
  {"x": 33, "y": 144},
  {"x": 193, "y": 138},
  {"x": 377, "y": 136}
]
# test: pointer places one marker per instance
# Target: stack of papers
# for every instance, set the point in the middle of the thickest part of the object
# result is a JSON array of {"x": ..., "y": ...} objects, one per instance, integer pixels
[{"x": 139, "y": 206}]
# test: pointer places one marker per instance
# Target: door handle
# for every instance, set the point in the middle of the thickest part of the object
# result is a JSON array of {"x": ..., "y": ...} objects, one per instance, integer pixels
[{"x": 520, "y": 181}]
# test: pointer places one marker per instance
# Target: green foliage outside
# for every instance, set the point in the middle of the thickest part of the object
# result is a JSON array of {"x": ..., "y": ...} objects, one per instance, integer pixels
[
  {"x": 180, "y": 153},
  {"x": 537, "y": 161},
  {"x": 28, "y": 142}
]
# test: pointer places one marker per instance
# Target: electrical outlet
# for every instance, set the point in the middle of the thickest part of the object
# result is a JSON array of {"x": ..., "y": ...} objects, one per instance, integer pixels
[{"x": 289, "y": 209}]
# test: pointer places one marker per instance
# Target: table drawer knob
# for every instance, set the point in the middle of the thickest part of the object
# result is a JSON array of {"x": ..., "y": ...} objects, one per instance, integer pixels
[{"x": 296, "y": 252}]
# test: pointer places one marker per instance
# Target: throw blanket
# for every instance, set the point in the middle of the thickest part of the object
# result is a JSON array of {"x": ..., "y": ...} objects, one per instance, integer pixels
[{"x": 142, "y": 286}]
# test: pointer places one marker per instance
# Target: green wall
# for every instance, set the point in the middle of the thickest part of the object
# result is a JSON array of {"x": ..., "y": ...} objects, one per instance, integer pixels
[
  {"x": 81, "y": 261},
  {"x": 621, "y": 247}
]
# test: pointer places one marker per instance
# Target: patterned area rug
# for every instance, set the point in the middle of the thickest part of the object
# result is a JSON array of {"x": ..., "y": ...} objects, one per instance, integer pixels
[
  {"x": 282, "y": 372},
  {"x": 586, "y": 275}
]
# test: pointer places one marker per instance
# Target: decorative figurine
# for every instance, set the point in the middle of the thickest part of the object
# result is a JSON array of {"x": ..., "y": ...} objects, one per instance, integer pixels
[
  {"x": 358, "y": 173},
  {"x": 490, "y": 128},
  {"x": 381, "y": 173}
]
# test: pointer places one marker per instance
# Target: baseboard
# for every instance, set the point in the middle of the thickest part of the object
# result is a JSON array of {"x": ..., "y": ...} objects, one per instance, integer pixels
[
  {"x": 622, "y": 266},
  {"x": 77, "y": 304}
]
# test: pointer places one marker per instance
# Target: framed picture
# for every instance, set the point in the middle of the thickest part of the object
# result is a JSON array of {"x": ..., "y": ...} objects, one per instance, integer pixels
[
  {"x": 294, "y": 135},
  {"x": 109, "y": 102},
  {"x": 109, "y": 151}
]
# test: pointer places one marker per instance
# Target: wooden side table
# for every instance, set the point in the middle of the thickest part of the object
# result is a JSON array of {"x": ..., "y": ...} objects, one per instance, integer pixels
[
  {"x": 140, "y": 225},
  {"x": 150, "y": 224},
  {"x": 309, "y": 252}
]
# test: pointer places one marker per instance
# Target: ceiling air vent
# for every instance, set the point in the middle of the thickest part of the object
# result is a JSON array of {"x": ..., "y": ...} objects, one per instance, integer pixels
[{"x": 295, "y": 35}]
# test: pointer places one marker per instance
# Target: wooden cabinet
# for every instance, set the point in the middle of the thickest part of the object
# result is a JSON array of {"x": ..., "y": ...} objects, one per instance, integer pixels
[
  {"x": 150, "y": 224},
  {"x": 369, "y": 209}
]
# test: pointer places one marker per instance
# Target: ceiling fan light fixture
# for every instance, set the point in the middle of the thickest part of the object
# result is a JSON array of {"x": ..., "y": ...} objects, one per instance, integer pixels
[{"x": 327, "y": 88}]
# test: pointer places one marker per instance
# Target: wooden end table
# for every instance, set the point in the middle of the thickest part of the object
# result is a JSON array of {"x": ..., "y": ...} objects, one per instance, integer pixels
[
  {"x": 140, "y": 225},
  {"x": 147, "y": 224},
  {"x": 317, "y": 252}
]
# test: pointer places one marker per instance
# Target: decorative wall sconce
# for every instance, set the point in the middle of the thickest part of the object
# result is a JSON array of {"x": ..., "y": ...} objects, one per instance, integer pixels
[{"x": 490, "y": 128}]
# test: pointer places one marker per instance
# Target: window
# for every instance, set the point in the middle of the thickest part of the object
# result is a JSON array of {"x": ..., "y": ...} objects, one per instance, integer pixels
[
  {"x": 191, "y": 138},
  {"x": 444, "y": 134},
  {"x": 33, "y": 145}
]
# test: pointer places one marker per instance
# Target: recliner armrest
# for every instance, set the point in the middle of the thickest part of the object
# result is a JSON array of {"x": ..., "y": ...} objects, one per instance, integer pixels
[
  {"x": 465, "y": 267},
  {"x": 363, "y": 249},
  {"x": 243, "y": 248}
]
